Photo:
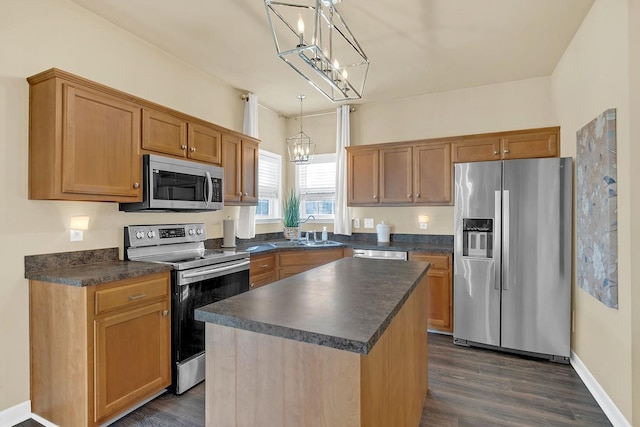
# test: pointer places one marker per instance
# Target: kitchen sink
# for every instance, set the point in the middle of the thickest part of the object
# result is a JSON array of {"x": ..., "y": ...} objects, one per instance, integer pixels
[{"x": 323, "y": 244}]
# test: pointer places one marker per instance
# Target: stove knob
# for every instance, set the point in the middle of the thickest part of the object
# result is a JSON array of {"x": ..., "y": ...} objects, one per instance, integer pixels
[
  {"x": 140, "y": 234},
  {"x": 200, "y": 231},
  {"x": 191, "y": 232},
  {"x": 151, "y": 234}
]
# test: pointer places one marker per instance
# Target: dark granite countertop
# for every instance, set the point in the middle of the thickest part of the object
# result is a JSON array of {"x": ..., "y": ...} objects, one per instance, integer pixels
[
  {"x": 346, "y": 304},
  {"x": 86, "y": 268},
  {"x": 261, "y": 247}
]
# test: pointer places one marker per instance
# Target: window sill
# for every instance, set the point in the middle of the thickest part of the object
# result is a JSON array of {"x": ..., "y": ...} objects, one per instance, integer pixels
[{"x": 268, "y": 220}]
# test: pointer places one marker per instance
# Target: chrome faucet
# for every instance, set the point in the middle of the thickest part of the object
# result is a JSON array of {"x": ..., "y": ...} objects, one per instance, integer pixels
[{"x": 308, "y": 218}]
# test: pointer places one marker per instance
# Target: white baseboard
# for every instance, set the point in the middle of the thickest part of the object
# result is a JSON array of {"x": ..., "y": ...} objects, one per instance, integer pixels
[
  {"x": 15, "y": 414},
  {"x": 608, "y": 407}
]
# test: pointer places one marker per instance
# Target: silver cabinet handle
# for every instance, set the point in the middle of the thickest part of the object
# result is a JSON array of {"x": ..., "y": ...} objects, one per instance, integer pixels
[
  {"x": 240, "y": 194},
  {"x": 245, "y": 194},
  {"x": 375, "y": 196},
  {"x": 165, "y": 312},
  {"x": 192, "y": 149},
  {"x": 496, "y": 152},
  {"x": 136, "y": 185},
  {"x": 506, "y": 151},
  {"x": 409, "y": 195},
  {"x": 184, "y": 147},
  {"x": 417, "y": 195},
  {"x": 135, "y": 297}
]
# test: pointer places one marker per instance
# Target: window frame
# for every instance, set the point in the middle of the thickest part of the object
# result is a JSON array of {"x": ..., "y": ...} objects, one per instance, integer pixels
[
  {"x": 317, "y": 159},
  {"x": 277, "y": 203}
]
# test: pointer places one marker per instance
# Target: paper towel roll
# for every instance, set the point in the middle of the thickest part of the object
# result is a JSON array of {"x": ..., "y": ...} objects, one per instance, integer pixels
[{"x": 228, "y": 233}]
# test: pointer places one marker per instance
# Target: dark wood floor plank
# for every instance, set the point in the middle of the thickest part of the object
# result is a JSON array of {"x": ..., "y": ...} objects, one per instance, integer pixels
[{"x": 468, "y": 387}]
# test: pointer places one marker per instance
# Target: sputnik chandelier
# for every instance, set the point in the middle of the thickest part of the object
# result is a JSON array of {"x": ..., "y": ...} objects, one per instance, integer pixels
[{"x": 313, "y": 38}]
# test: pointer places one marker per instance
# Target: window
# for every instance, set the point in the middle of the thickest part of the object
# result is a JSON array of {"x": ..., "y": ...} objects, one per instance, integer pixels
[
  {"x": 316, "y": 183},
  {"x": 269, "y": 183}
]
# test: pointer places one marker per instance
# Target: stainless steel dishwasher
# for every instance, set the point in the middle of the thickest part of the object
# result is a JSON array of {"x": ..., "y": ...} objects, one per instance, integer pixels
[{"x": 380, "y": 254}]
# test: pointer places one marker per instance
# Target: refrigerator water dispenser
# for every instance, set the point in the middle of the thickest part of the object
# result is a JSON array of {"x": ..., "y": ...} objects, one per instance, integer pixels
[{"x": 477, "y": 237}]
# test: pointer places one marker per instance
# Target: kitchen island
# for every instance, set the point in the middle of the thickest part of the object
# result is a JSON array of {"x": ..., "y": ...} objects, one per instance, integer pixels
[{"x": 342, "y": 344}]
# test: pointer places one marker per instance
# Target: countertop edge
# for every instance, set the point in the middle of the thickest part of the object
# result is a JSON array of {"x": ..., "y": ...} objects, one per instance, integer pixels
[{"x": 356, "y": 346}]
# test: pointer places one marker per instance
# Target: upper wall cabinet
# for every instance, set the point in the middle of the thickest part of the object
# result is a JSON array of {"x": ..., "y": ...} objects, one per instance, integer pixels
[
  {"x": 86, "y": 141},
  {"x": 168, "y": 134},
  {"x": 240, "y": 163},
  {"x": 399, "y": 174},
  {"x": 524, "y": 144},
  {"x": 84, "y": 144}
]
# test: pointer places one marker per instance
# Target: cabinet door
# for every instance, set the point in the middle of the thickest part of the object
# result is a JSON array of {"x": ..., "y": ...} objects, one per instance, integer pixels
[
  {"x": 132, "y": 357},
  {"x": 362, "y": 177},
  {"x": 432, "y": 174},
  {"x": 531, "y": 145},
  {"x": 439, "y": 305},
  {"x": 396, "y": 175},
  {"x": 231, "y": 164},
  {"x": 164, "y": 133},
  {"x": 101, "y": 140},
  {"x": 204, "y": 144},
  {"x": 476, "y": 150},
  {"x": 249, "y": 172},
  {"x": 440, "y": 290}
]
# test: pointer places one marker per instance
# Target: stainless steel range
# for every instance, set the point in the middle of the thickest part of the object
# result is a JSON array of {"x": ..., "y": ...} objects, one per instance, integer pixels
[{"x": 200, "y": 276}]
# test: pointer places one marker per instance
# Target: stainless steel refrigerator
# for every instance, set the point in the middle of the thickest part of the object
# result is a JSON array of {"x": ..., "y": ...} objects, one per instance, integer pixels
[{"x": 512, "y": 265}]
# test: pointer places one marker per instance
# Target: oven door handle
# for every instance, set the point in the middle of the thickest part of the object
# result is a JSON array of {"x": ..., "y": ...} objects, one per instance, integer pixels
[{"x": 215, "y": 270}]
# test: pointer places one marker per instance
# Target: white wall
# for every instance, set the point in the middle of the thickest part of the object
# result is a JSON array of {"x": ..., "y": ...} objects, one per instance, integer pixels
[{"x": 592, "y": 76}]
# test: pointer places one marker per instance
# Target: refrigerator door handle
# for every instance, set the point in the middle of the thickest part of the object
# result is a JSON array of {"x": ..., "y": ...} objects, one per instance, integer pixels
[
  {"x": 497, "y": 200},
  {"x": 505, "y": 242}
]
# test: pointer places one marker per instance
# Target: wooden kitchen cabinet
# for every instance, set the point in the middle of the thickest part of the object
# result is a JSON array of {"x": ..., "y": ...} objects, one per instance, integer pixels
[
  {"x": 433, "y": 174},
  {"x": 168, "y": 134},
  {"x": 396, "y": 175},
  {"x": 362, "y": 176},
  {"x": 84, "y": 142},
  {"x": 289, "y": 263},
  {"x": 97, "y": 351},
  {"x": 400, "y": 174},
  {"x": 440, "y": 290},
  {"x": 525, "y": 144},
  {"x": 240, "y": 163},
  {"x": 262, "y": 270}
]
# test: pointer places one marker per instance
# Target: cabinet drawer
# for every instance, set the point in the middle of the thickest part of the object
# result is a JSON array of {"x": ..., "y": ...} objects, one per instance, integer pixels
[
  {"x": 262, "y": 279},
  {"x": 310, "y": 258},
  {"x": 130, "y": 294},
  {"x": 262, "y": 263},
  {"x": 438, "y": 262}
]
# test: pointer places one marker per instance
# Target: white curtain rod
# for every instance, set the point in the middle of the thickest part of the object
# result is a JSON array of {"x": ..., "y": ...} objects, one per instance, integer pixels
[{"x": 244, "y": 98}]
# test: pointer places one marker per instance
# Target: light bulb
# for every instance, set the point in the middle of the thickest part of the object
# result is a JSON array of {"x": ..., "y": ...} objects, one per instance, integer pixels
[
  {"x": 344, "y": 74},
  {"x": 336, "y": 65},
  {"x": 300, "y": 24}
]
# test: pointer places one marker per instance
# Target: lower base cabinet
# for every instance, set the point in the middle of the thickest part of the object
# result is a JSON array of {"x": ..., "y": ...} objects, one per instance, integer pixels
[
  {"x": 440, "y": 290},
  {"x": 97, "y": 351},
  {"x": 262, "y": 270},
  {"x": 290, "y": 263}
]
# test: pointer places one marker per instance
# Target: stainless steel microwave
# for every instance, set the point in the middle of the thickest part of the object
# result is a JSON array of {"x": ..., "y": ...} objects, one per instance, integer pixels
[{"x": 170, "y": 184}]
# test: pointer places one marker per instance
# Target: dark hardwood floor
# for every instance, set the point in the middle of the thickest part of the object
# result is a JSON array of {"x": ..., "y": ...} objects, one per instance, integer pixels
[{"x": 467, "y": 387}]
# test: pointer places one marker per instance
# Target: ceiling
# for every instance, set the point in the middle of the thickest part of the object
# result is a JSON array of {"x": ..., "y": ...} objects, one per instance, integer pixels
[{"x": 415, "y": 47}]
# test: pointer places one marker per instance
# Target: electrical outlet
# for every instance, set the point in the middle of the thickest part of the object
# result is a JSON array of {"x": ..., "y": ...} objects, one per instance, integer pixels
[
  {"x": 76, "y": 236},
  {"x": 368, "y": 223},
  {"x": 423, "y": 225},
  {"x": 356, "y": 222}
]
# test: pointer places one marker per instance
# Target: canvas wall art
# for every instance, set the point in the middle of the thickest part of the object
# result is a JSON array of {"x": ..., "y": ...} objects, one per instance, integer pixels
[{"x": 596, "y": 209}]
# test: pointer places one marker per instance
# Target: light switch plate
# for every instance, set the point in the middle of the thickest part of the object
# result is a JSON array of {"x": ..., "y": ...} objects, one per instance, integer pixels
[
  {"x": 356, "y": 222},
  {"x": 368, "y": 223}
]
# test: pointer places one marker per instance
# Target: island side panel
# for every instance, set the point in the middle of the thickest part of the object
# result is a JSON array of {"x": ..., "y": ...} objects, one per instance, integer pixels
[
  {"x": 257, "y": 379},
  {"x": 395, "y": 372}
]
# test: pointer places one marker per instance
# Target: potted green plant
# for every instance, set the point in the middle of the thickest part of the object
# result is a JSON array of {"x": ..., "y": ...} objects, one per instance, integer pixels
[{"x": 291, "y": 216}]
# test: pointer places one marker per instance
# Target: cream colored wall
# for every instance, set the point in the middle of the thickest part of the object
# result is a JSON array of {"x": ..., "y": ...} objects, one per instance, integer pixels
[
  {"x": 516, "y": 105},
  {"x": 36, "y": 35},
  {"x": 634, "y": 135},
  {"x": 592, "y": 76}
]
